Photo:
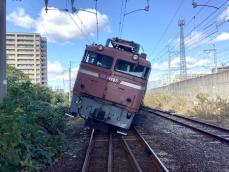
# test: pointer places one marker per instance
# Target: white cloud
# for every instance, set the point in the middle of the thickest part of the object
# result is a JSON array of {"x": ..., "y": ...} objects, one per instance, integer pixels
[
  {"x": 192, "y": 41},
  {"x": 222, "y": 37},
  {"x": 175, "y": 63},
  {"x": 195, "y": 39},
  {"x": 197, "y": 63},
  {"x": 56, "y": 72},
  {"x": 20, "y": 18},
  {"x": 55, "y": 67},
  {"x": 224, "y": 15},
  {"x": 60, "y": 26}
]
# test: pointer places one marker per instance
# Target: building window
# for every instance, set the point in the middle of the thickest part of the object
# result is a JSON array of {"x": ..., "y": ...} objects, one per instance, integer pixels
[
  {"x": 25, "y": 46},
  {"x": 25, "y": 55},
  {"x": 25, "y": 36}
]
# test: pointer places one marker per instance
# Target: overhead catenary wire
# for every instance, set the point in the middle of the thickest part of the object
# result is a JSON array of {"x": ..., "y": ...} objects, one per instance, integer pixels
[
  {"x": 168, "y": 25},
  {"x": 190, "y": 20},
  {"x": 76, "y": 13},
  {"x": 211, "y": 14},
  {"x": 120, "y": 18},
  {"x": 123, "y": 14},
  {"x": 198, "y": 12},
  {"x": 80, "y": 29},
  {"x": 209, "y": 35},
  {"x": 66, "y": 10},
  {"x": 97, "y": 20},
  {"x": 86, "y": 29},
  {"x": 123, "y": 19}
]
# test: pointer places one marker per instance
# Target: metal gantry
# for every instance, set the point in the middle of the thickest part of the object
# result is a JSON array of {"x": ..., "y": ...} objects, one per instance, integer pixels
[
  {"x": 183, "y": 68},
  {"x": 215, "y": 57}
]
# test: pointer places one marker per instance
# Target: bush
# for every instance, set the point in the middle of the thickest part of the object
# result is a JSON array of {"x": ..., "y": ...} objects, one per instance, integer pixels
[
  {"x": 31, "y": 125},
  {"x": 204, "y": 107},
  {"x": 211, "y": 108},
  {"x": 165, "y": 101}
]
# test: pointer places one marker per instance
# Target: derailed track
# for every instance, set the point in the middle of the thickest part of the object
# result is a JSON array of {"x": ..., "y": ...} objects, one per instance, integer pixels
[
  {"x": 221, "y": 134},
  {"x": 113, "y": 152}
]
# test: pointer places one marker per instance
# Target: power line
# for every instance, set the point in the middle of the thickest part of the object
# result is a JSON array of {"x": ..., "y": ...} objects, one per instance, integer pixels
[
  {"x": 203, "y": 37},
  {"x": 120, "y": 18},
  {"x": 75, "y": 11},
  {"x": 199, "y": 11},
  {"x": 223, "y": 51},
  {"x": 203, "y": 21},
  {"x": 80, "y": 29},
  {"x": 86, "y": 29},
  {"x": 193, "y": 18},
  {"x": 97, "y": 22},
  {"x": 123, "y": 19},
  {"x": 209, "y": 35},
  {"x": 167, "y": 27}
]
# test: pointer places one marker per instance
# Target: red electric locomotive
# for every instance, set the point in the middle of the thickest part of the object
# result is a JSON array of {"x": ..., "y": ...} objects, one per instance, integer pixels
[{"x": 111, "y": 84}]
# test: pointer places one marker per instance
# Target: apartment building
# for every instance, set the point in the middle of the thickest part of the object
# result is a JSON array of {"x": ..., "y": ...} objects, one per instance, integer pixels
[{"x": 28, "y": 52}]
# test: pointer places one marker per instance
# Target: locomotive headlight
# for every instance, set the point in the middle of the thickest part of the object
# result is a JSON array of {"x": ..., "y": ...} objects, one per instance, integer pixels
[
  {"x": 135, "y": 57},
  {"x": 100, "y": 47}
]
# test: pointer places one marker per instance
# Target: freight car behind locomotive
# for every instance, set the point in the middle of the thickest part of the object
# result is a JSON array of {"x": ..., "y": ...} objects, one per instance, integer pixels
[{"x": 111, "y": 84}]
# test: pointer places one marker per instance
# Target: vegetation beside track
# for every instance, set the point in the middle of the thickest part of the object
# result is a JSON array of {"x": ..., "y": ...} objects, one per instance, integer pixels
[
  {"x": 166, "y": 101},
  {"x": 31, "y": 125},
  {"x": 203, "y": 107}
]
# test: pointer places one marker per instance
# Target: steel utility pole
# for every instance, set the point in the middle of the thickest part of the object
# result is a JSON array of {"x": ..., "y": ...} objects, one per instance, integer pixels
[
  {"x": 3, "y": 81},
  {"x": 215, "y": 57},
  {"x": 183, "y": 68},
  {"x": 170, "y": 53},
  {"x": 169, "y": 65}
]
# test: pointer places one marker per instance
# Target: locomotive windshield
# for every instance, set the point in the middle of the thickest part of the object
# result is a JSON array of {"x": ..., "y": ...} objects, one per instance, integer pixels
[
  {"x": 132, "y": 69},
  {"x": 98, "y": 59}
]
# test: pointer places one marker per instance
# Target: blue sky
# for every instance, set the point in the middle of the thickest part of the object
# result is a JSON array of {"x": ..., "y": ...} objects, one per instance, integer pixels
[{"x": 155, "y": 30}]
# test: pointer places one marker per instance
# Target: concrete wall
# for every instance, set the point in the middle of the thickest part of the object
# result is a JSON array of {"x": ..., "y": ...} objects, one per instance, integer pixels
[{"x": 212, "y": 84}]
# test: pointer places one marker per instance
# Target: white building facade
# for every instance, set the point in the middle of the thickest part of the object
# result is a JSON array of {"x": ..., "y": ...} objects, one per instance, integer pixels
[{"x": 28, "y": 53}]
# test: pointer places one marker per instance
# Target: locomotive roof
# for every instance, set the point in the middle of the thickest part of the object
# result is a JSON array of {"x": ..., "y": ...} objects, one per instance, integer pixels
[{"x": 119, "y": 54}]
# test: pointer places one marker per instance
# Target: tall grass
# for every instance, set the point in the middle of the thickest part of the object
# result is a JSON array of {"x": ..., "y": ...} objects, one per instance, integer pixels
[{"x": 204, "y": 106}]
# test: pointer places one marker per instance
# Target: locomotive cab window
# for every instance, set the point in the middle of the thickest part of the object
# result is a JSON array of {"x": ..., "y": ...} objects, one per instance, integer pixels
[
  {"x": 132, "y": 69},
  {"x": 98, "y": 59}
]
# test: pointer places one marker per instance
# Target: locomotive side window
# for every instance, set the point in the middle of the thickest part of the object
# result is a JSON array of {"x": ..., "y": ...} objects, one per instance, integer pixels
[
  {"x": 98, "y": 59},
  {"x": 132, "y": 69}
]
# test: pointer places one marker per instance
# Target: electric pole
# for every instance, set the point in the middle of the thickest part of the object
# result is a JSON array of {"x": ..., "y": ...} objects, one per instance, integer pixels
[
  {"x": 3, "y": 81},
  {"x": 169, "y": 65},
  {"x": 183, "y": 68},
  {"x": 215, "y": 57},
  {"x": 70, "y": 84}
]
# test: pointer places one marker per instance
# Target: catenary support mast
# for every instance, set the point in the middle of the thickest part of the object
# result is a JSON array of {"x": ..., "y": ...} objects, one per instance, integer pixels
[{"x": 183, "y": 68}]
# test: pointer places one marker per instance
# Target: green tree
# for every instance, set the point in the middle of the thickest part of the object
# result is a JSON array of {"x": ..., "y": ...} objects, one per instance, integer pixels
[{"x": 31, "y": 125}]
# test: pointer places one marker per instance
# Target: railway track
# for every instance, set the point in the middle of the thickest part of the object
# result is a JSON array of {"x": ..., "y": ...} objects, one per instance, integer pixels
[
  {"x": 221, "y": 134},
  {"x": 113, "y": 152}
]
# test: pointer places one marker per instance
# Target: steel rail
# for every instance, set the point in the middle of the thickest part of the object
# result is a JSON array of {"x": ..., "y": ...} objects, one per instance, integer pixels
[
  {"x": 200, "y": 122},
  {"x": 159, "y": 162},
  {"x": 137, "y": 166},
  {"x": 222, "y": 139},
  {"x": 109, "y": 165},
  {"x": 87, "y": 157},
  {"x": 187, "y": 118}
]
